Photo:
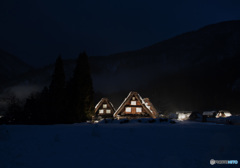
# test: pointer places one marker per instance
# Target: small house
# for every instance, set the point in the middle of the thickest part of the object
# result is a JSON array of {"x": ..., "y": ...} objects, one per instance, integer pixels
[
  {"x": 134, "y": 106},
  {"x": 223, "y": 114},
  {"x": 183, "y": 115},
  {"x": 104, "y": 109}
]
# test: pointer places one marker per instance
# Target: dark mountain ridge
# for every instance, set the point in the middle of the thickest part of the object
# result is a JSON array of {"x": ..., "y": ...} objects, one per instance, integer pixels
[
  {"x": 211, "y": 43},
  {"x": 195, "y": 70},
  {"x": 11, "y": 67}
]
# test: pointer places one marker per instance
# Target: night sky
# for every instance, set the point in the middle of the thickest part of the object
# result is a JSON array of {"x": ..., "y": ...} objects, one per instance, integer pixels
[{"x": 37, "y": 31}]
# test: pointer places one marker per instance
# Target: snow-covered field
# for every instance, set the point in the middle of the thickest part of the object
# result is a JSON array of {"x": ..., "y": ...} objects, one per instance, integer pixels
[{"x": 129, "y": 145}]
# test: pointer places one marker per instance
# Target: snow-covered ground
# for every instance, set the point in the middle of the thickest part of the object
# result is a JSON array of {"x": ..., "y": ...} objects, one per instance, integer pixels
[{"x": 129, "y": 145}]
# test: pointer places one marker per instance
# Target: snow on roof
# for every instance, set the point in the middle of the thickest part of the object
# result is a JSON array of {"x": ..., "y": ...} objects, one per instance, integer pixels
[
  {"x": 112, "y": 105},
  {"x": 141, "y": 99},
  {"x": 122, "y": 103},
  {"x": 107, "y": 101},
  {"x": 146, "y": 104},
  {"x": 209, "y": 112},
  {"x": 98, "y": 103}
]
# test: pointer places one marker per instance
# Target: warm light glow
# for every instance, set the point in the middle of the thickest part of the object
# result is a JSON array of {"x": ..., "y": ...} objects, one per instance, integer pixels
[
  {"x": 223, "y": 114},
  {"x": 139, "y": 109},
  {"x": 108, "y": 111},
  {"x": 101, "y": 111},
  {"x": 128, "y": 109},
  {"x": 104, "y": 105},
  {"x": 182, "y": 116},
  {"x": 133, "y": 103}
]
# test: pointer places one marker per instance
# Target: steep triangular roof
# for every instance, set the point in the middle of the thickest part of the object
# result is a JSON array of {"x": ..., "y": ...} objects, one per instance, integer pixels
[
  {"x": 138, "y": 97},
  {"x": 150, "y": 106},
  {"x": 104, "y": 100}
]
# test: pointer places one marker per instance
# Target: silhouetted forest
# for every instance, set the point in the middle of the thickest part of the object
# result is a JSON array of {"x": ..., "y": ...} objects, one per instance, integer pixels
[
  {"x": 62, "y": 102},
  {"x": 197, "y": 70}
]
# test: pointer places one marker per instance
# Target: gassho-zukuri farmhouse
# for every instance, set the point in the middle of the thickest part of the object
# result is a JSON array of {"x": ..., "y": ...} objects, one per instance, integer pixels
[{"x": 133, "y": 106}]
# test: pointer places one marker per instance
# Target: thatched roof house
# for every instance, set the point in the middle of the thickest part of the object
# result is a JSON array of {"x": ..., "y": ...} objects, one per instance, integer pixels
[
  {"x": 183, "y": 115},
  {"x": 134, "y": 106},
  {"x": 223, "y": 114},
  {"x": 104, "y": 109}
]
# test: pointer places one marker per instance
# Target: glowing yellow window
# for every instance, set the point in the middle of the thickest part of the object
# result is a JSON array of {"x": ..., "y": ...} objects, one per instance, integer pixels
[
  {"x": 139, "y": 109},
  {"x": 133, "y": 103},
  {"x": 128, "y": 109}
]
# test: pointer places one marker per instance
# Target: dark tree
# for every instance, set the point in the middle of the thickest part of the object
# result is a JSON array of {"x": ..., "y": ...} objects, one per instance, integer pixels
[
  {"x": 81, "y": 91},
  {"x": 58, "y": 77},
  {"x": 14, "y": 114},
  {"x": 57, "y": 94},
  {"x": 33, "y": 110},
  {"x": 48, "y": 106},
  {"x": 58, "y": 103}
]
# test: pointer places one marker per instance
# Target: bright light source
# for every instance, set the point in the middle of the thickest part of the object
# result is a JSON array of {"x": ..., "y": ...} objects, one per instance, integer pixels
[
  {"x": 128, "y": 109},
  {"x": 182, "y": 116}
]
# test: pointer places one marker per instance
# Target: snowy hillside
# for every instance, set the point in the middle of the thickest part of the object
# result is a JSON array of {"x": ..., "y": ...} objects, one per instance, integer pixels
[{"x": 136, "y": 145}]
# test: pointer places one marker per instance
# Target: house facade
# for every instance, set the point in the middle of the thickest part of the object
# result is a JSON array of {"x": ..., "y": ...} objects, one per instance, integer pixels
[
  {"x": 134, "y": 106},
  {"x": 104, "y": 109}
]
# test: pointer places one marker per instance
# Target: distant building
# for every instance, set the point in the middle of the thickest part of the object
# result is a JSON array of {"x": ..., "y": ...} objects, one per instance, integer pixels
[
  {"x": 223, "y": 113},
  {"x": 134, "y": 106},
  {"x": 210, "y": 114},
  {"x": 217, "y": 114},
  {"x": 183, "y": 115},
  {"x": 104, "y": 109}
]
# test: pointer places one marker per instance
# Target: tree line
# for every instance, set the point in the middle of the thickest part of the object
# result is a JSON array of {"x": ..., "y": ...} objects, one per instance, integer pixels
[{"x": 63, "y": 102}]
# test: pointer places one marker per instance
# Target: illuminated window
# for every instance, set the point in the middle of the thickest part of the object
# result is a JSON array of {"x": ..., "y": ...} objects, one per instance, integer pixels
[
  {"x": 133, "y": 103},
  {"x": 139, "y": 109},
  {"x": 108, "y": 111},
  {"x": 104, "y": 105},
  {"x": 101, "y": 111},
  {"x": 133, "y": 98},
  {"x": 128, "y": 109}
]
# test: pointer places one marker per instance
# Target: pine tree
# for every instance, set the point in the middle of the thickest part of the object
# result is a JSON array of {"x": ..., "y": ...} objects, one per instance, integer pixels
[
  {"x": 81, "y": 90},
  {"x": 58, "y": 77},
  {"x": 57, "y": 93},
  {"x": 14, "y": 114},
  {"x": 31, "y": 109},
  {"x": 88, "y": 92}
]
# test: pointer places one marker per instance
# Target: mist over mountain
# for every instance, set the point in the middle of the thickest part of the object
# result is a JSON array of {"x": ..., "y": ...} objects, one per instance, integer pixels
[{"x": 195, "y": 70}]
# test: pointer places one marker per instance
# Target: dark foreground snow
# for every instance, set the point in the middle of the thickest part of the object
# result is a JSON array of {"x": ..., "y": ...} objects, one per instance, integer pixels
[{"x": 136, "y": 145}]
